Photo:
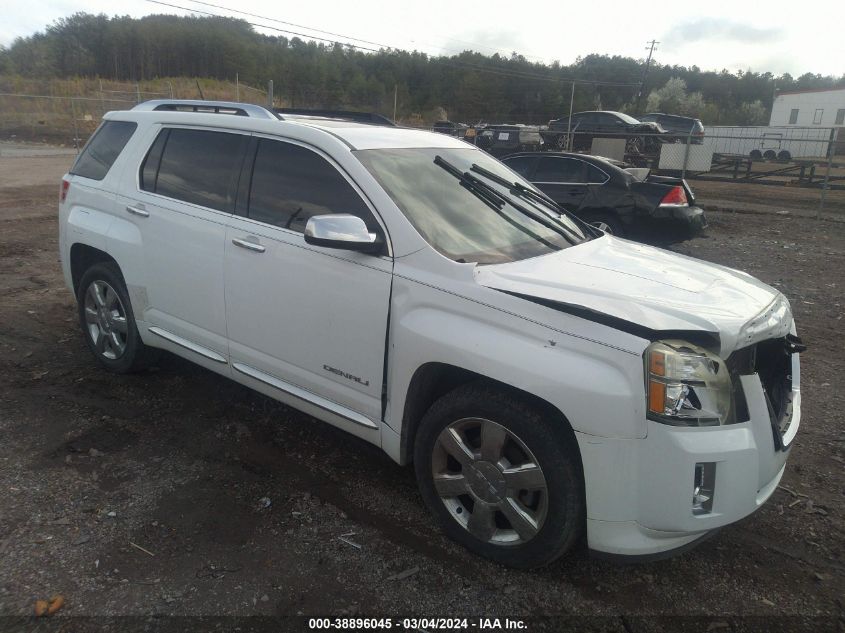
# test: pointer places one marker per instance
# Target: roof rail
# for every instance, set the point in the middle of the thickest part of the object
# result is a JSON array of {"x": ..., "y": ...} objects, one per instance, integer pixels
[
  {"x": 344, "y": 115},
  {"x": 211, "y": 107}
]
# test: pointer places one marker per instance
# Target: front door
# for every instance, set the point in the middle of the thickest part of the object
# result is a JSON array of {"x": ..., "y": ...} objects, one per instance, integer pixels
[{"x": 305, "y": 320}]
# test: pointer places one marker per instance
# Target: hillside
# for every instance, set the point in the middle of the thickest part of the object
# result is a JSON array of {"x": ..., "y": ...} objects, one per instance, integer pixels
[{"x": 470, "y": 86}]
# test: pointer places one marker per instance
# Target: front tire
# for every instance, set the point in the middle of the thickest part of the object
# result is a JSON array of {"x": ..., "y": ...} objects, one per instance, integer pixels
[
  {"x": 108, "y": 323},
  {"x": 500, "y": 476}
]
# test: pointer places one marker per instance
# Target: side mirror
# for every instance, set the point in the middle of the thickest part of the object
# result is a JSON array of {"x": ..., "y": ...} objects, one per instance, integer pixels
[{"x": 340, "y": 230}]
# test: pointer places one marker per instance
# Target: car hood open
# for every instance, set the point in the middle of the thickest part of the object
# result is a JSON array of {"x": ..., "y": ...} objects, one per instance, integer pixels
[{"x": 647, "y": 291}]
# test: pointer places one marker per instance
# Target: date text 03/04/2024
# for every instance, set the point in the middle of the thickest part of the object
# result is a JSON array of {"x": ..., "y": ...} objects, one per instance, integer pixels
[{"x": 415, "y": 624}]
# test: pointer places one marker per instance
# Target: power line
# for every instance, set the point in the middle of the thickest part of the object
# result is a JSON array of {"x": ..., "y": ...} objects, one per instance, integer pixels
[
  {"x": 299, "y": 26},
  {"x": 311, "y": 28},
  {"x": 264, "y": 26},
  {"x": 517, "y": 74}
]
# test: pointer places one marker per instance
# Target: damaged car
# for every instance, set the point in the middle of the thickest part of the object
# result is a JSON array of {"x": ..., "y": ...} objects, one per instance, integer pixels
[
  {"x": 576, "y": 133},
  {"x": 623, "y": 201},
  {"x": 504, "y": 139},
  {"x": 547, "y": 380}
]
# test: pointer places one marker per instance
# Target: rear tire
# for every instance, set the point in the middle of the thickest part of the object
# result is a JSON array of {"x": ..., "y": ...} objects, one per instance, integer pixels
[
  {"x": 514, "y": 493},
  {"x": 108, "y": 323}
]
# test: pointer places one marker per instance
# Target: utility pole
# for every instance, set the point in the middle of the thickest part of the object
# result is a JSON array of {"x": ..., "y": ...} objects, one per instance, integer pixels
[{"x": 650, "y": 48}]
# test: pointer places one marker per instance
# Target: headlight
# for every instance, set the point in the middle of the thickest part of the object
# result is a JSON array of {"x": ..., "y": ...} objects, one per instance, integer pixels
[{"x": 686, "y": 385}]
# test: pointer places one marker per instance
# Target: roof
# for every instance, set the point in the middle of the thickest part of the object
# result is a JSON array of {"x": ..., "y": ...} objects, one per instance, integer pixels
[
  {"x": 671, "y": 116},
  {"x": 255, "y": 118},
  {"x": 808, "y": 90}
]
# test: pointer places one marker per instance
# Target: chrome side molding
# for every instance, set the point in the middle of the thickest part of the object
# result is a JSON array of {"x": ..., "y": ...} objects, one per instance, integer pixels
[
  {"x": 189, "y": 345},
  {"x": 307, "y": 396}
]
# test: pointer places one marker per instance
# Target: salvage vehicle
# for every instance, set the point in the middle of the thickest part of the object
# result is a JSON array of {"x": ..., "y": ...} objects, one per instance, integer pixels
[
  {"x": 681, "y": 127},
  {"x": 576, "y": 133},
  {"x": 545, "y": 378},
  {"x": 451, "y": 128},
  {"x": 502, "y": 139},
  {"x": 618, "y": 200}
]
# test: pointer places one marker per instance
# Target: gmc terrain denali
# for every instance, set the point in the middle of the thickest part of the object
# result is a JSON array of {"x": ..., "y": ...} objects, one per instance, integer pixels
[{"x": 544, "y": 378}]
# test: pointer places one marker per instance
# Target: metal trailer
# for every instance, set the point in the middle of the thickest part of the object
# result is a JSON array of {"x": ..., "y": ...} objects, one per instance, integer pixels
[{"x": 769, "y": 142}]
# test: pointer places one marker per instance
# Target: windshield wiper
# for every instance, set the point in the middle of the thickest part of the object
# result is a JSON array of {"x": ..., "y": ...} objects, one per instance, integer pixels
[
  {"x": 469, "y": 184},
  {"x": 517, "y": 188},
  {"x": 522, "y": 191},
  {"x": 480, "y": 187},
  {"x": 488, "y": 196}
]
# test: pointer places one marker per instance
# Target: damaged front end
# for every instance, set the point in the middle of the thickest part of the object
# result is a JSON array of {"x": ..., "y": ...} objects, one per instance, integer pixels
[{"x": 773, "y": 362}]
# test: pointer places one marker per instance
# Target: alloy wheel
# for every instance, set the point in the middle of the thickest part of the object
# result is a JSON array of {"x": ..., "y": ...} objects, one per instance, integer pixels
[
  {"x": 105, "y": 320},
  {"x": 490, "y": 481}
]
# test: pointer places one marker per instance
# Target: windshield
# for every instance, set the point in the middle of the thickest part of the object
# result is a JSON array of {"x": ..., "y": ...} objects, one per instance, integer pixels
[
  {"x": 627, "y": 118},
  {"x": 454, "y": 219}
]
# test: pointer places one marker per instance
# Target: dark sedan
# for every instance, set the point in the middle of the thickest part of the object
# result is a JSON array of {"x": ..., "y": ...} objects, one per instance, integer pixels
[
  {"x": 681, "y": 126},
  {"x": 640, "y": 138},
  {"x": 600, "y": 191}
]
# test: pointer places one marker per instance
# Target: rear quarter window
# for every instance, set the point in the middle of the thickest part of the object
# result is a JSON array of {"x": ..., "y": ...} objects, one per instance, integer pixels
[{"x": 102, "y": 150}]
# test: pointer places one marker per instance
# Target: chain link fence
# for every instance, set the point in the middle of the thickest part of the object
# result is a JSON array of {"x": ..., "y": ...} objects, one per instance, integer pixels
[
  {"x": 69, "y": 120},
  {"x": 782, "y": 169}
]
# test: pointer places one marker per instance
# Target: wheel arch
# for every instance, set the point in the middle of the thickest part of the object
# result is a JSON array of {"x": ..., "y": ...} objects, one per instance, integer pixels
[
  {"x": 82, "y": 257},
  {"x": 434, "y": 380}
]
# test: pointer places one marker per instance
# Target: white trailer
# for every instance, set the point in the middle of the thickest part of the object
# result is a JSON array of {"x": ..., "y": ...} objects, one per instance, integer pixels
[{"x": 770, "y": 141}]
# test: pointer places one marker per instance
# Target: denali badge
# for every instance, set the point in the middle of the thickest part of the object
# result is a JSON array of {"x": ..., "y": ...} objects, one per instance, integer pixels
[{"x": 347, "y": 376}]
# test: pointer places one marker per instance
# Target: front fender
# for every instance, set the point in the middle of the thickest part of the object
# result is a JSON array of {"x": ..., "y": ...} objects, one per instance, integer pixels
[{"x": 597, "y": 387}]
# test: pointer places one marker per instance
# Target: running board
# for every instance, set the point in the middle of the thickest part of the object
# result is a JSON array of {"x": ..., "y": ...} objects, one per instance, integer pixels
[
  {"x": 189, "y": 345},
  {"x": 306, "y": 396}
]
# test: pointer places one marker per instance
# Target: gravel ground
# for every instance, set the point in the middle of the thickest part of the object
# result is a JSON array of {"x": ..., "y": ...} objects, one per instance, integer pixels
[{"x": 178, "y": 492}]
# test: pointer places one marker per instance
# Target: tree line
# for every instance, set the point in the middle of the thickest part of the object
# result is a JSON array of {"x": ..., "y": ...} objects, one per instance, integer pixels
[{"x": 470, "y": 86}]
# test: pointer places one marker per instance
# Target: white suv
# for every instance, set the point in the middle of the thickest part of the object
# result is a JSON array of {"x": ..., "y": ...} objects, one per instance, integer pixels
[{"x": 544, "y": 378}]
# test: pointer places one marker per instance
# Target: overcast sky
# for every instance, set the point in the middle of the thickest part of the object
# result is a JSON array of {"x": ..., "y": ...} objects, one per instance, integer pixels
[{"x": 775, "y": 35}]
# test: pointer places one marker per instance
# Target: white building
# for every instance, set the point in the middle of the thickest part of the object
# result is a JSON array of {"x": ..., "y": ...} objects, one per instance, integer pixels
[{"x": 809, "y": 108}]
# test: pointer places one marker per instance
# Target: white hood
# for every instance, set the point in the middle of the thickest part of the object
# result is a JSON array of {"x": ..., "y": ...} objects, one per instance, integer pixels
[{"x": 650, "y": 288}]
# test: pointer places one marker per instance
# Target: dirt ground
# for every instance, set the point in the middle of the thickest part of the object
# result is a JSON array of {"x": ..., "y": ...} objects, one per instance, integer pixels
[
  {"x": 178, "y": 492},
  {"x": 802, "y": 201}
]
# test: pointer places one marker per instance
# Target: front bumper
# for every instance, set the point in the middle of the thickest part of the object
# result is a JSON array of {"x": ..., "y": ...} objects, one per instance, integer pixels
[{"x": 639, "y": 491}]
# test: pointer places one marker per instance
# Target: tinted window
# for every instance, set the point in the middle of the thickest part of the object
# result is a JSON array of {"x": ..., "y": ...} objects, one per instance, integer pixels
[
  {"x": 149, "y": 168},
  {"x": 521, "y": 164},
  {"x": 103, "y": 149},
  {"x": 199, "y": 167},
  {"x": 595, "y": 175},
  {"x": 291, "y": 183},
  {"x": 607, "y": 119},
  {"x": 559, "y": 170}
]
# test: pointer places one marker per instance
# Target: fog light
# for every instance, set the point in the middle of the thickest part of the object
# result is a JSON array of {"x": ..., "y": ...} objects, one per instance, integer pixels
[{"x": 704, "y": 484}]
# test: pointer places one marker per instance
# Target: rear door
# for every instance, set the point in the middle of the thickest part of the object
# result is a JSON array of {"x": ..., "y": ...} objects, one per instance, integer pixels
[
  {"x": 303, "y": 320},
  {"x": 562, "y": 179},
  {"x": 184, "y": 196}
]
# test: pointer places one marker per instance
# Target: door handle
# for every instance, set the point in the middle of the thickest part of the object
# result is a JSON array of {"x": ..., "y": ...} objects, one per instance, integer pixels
[
  {"x": 251, "y": 246},
  {"x": 137, "y": 211},
  {"x": 576, "y": 192}
]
